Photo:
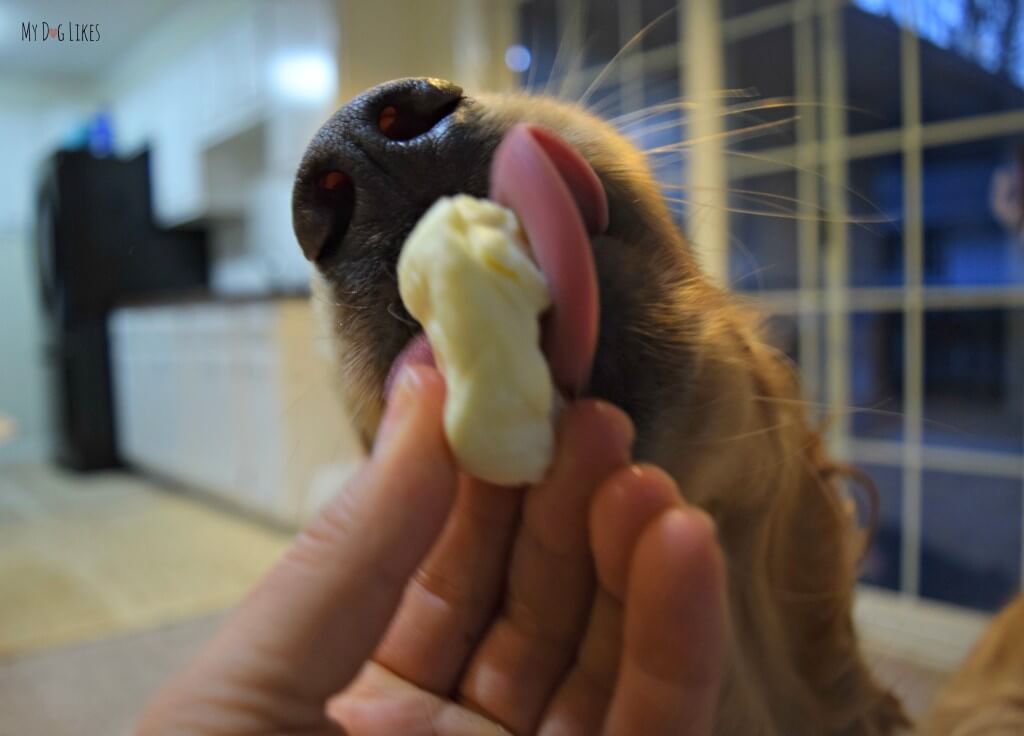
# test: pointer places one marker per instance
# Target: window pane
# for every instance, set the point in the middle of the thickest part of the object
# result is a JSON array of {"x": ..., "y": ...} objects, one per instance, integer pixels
[
  {"x": 782, "y": 331},
  {"x": 970, "y": 57},
  {"x": 666, "y": 31},
  {"x": 876, "y": 372},
  {"x": 971, "y": 62},
  {"x": 872, "y": 46},
  {"x": 763, "y": 251},
  {"x": 876, "y": 212},
  {"x": 762, "y": 64},
  {"x": 600, "y": 32},
  {"x": 732, "y": 8},
  {"x": 539, "y": 32},
  {"x": 974, "y": 379},
  {"x": 816, "y": 385},
  {"x": 882, "y": 562},
  {"x": 971, "y": 539},
  {"x": 972, "y": 206}
]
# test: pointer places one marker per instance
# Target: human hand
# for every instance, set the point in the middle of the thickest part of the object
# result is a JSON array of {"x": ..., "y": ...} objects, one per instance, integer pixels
[{"x": 503, "y": 625}]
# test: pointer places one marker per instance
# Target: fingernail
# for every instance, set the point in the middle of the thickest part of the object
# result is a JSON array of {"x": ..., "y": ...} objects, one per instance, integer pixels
[
  {"x": 619, "y": 419},
  {"x": 702, "y": 519},
  {"x": 403, "y": 396}
]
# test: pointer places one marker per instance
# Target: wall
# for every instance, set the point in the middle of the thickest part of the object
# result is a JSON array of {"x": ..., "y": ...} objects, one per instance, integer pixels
[{"x": 387, "y": 39}]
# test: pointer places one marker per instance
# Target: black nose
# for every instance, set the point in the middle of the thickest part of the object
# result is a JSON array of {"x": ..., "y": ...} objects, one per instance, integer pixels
[{"x": 374, "y": 141}]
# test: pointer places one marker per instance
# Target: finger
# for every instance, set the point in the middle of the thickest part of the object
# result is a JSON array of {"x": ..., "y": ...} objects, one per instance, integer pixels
[
  {"x": 674, "y": 635},
  {"x": 452, "y": 597},
  {"x": 579, "y": 706},
  {"x": 550, "y": 577},
  {"x": 622, "y": 509},
  {"x": 379, "y": 703},
  {"x": 624, "y": 505},
  {"x": 317, "y": 616}
]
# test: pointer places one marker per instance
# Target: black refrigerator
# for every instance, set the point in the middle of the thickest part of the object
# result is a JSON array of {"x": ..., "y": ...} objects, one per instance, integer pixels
[{"x": 97, "y": 246}]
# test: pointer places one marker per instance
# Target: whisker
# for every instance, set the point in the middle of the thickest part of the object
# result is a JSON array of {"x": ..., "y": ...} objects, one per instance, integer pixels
[
  {"x": 769, "y": 199},
  {"x": 683, "y": 103},
  {"x": 561, "y": 69},
  {"x": 782, "y": 215},
  {"x": 755, "y": 274},
  {"x": 863, "y": 221},
  {"x": 752, "y": 433},
  {"x": 637, "y": 38},
  {"x": 736, "y": 243},
  {"x": 848, "y": 409},
  {"x": 574, "y": 72},
  {"x": 627, "y": 120},
  {"x": 535, "y": 44},
  {"x": 780, "y": 200},
  {"x": 740, "y": 134},
  {"x": 803, "y": 169},
  {"x": 641, "y": 132},
  {"x": 392, "y": 310},
  {"x": 606, "y": 102}
]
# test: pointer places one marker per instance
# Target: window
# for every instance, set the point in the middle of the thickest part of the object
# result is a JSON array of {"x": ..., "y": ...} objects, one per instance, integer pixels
[
  {"x": 873, "y": 153},
  {"x": 971, "y": 539}
]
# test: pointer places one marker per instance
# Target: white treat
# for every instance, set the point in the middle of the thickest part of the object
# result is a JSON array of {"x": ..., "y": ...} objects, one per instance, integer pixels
[{"x": 466, "y": 275}]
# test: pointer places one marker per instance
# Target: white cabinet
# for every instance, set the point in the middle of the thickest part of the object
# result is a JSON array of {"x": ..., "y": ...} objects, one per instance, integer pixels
[
  {"x": 235, "y": 399},
  {"x": 176, "y": 166}
]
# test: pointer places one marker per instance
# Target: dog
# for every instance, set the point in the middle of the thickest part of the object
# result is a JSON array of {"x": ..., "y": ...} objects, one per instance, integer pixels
[{"x": 713, "y": 404}]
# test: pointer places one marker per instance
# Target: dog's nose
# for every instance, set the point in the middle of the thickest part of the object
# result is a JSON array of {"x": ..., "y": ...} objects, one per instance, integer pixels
[
  {"x": 407, "y": 108},
  {"x": 371, "y": 148}
]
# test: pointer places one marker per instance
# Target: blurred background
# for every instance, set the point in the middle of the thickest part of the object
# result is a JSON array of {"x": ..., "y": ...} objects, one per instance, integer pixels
[{"x": 168, "y": 410}]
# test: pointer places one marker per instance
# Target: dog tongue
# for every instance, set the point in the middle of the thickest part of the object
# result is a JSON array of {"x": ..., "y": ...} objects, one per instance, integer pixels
[{"x": 560, "y": 202}]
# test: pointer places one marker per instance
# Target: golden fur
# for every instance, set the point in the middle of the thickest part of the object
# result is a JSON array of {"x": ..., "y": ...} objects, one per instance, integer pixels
[
  {"x": 790, "y": 539},
  {"x": 986, "y": 697}
]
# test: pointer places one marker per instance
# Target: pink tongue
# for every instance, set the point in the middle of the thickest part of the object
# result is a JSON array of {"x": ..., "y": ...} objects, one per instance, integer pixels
[{"x": 559, "y": 200}]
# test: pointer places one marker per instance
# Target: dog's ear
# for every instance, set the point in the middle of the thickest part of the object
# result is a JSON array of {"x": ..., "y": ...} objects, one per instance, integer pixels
[{"x": 814, "y": 546}]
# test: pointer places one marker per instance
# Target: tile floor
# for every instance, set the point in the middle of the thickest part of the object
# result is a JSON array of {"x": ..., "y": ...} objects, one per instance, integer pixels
[
  {"x": 107, "y": 583},
  {"x": 83, "y": 557}
]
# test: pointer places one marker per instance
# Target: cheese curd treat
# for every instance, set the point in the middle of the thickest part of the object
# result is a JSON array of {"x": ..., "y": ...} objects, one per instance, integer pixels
[{"x": 466, "y": 275}]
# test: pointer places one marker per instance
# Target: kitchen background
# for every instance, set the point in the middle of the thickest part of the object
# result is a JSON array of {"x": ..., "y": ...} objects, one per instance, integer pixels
[{"x": 168, "y": 412}]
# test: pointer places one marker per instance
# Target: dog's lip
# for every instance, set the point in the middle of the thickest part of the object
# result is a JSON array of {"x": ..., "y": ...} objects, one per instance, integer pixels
[{"x": 415, "y": 352}]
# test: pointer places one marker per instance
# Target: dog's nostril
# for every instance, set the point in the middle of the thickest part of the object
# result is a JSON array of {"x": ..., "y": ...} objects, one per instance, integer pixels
[
  {"x": 323, "y": 211},
  {"x": 332, "y": 181},
  {"x": 416, "y": 111},
  {"x": 387, "y": 118},
  {"x": 405, "y": 123}
]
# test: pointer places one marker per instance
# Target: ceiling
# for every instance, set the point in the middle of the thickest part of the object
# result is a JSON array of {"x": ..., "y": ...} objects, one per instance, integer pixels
[{"x": 121, "y": 24}]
